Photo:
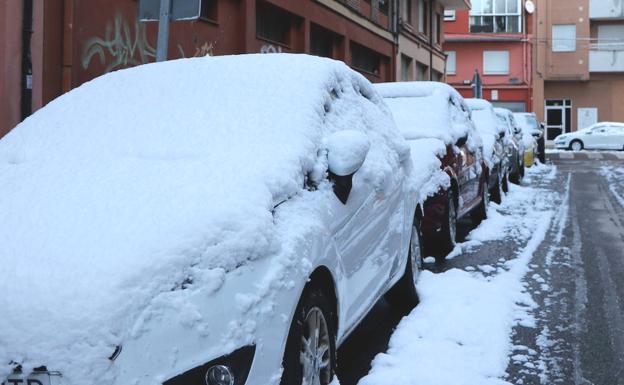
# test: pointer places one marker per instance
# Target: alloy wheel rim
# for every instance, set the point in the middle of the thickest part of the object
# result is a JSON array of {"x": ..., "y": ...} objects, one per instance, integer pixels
[
  {"x": 576, "y": 146},
  {"x": 315, "y": 356}
]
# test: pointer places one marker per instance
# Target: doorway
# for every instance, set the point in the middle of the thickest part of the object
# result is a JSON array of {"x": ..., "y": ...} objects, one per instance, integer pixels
[{"x": 558, "y": 117}]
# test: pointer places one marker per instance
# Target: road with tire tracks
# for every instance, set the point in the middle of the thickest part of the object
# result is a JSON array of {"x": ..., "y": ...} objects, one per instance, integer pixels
[{"x": 576, "y": 280}]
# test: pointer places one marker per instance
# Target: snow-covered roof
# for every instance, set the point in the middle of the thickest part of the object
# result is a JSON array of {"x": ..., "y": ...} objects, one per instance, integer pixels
[
  {"x": 116, "y": 190},
  {"x": 486, "y": 123},
  {"x": 422, "y": 110}
]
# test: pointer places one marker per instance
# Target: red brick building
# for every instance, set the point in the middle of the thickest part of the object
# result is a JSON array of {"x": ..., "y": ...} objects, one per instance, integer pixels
[
  {"x": 73, "y": 41},
  {"x": 496, "y": 39}
]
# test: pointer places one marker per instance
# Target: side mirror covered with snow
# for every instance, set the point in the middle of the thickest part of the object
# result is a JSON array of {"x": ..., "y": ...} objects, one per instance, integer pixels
[{"x": 346, "y": 152}]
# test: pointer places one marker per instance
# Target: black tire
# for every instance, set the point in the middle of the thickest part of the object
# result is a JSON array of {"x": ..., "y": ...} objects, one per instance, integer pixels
[
  {"x": 516, "y": 177},
  {"x": 496, "y": 194},
  {"x": 522, "y": 170},
  {"x": 403, "y": 294},
  {"x": 479, "y": 213},
  {"x": 448, "y": 235},
  {"x": 312, "y": 299},
  {"x": 505, "y": 185},
  {"x": 576, "y": 141},
  {"x": 541, "y": 148}
]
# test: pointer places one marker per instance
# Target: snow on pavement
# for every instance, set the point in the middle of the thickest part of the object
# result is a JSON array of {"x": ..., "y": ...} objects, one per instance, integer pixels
[
  {"x": 461, "y": 332},
  {"x": 615, "y": 178}
]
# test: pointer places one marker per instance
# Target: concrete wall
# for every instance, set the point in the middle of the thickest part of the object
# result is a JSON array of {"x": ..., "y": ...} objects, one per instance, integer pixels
[{"x": 604, "y": 92}]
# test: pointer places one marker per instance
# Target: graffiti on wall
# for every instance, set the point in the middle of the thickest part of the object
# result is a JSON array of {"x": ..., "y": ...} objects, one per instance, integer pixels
[
  {"x": 206, "y": 49},
  {"x": 121, "y": 46},
  {"x": 270, "y": 48}
]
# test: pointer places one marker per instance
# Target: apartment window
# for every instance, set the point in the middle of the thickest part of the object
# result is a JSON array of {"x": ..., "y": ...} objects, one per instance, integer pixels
[
  {"x": 406, "y": 68},
  {"x": 438, "y": 28},
  {"x": 496, "y": 16},
  {"x": 421, "y": 72},
  {"x": 384, "y": 6},
  {"x": 208, "y": 10},
  {"x": 496, "y": 62},
  {"x": 564, "y": 38},
  {"x": 422, "y": 16},
  {"x": 365, "y": 59},
  {"x": 273, "y": 23},
  {"x": 449, "y": 15},
  {"x": 610, "y": 37},
  {"x": 451, "y": 62},
  {"x": 437, "y": 76},
  {"x": 322, "y": 41},
  {"x": 406, "y": 11}
]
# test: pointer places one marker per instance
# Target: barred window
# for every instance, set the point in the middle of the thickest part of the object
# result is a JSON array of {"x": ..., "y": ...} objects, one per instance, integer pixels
[{"x": 496, "y": 16}]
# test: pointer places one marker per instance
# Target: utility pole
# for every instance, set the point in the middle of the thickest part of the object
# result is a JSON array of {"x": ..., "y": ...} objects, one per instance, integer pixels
[{"x": 163, "y": 30}]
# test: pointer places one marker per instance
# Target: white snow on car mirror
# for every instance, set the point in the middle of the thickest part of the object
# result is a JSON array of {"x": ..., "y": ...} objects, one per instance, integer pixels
[{"x": 346, "y": 151}]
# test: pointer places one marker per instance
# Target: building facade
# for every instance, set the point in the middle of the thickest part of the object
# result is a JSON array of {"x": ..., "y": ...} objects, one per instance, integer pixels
[
  {"x": 420, "y": 38},
  {"x": 495, "y": 39},
  {"x": 74, "y": 41},
  {"x": 579, "y": 63}
]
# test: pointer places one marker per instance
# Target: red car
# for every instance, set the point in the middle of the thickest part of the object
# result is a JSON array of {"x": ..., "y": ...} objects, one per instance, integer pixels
[{"x": 430, "y": 110}]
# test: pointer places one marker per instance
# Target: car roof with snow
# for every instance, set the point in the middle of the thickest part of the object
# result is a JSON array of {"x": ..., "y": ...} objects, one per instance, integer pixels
[
  {"x": 122, "y": 185},
  {"x": 422, "y": 110}
]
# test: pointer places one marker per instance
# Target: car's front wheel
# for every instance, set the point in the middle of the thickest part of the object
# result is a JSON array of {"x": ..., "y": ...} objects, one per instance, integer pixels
[
  {"x": 496, "y": 193},
  {"x": 310, "y": 354},
  {"x": 403, "y": 293},
  {"x": 480, "y": 212},
  {"x": 576, "y": 145}
]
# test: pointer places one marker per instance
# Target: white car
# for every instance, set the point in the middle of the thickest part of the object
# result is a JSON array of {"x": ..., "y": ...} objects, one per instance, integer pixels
[
  {"x": 217, "y": 220},
  {"x": 599, "y": 136}
]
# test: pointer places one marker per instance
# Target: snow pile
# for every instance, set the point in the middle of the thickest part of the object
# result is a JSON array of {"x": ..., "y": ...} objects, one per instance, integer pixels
[
  {"x": 427, "y": 174},
  {"x": 125, "y": 187},
  {"x": 487, "y": 125},
  {"x": 460, "y": 333}
]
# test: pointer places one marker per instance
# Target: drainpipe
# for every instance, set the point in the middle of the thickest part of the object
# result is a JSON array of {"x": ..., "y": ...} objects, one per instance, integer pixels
[
  {"x": 431, "y": 40},
  {"x": 27, "y": 22}
]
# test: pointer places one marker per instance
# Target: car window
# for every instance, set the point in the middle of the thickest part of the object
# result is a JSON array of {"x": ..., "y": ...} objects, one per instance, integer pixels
[{"x": 615, "y": 130}]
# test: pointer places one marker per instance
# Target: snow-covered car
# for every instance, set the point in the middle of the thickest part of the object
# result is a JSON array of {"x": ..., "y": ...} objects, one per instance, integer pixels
[
  {"x": 216, "y": 220},
  {"x": 437, "y": 113},
  {"x": 529, "y": 124},
  {"x": 515, "y": 144},
  {"x": 529, "y": 138},
  {"x": 493, "y": 136},
  {"x": 599, "y": 136}
]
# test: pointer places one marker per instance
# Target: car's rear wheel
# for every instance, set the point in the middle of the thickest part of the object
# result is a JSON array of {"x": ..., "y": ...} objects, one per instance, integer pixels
[
  {"x": 518, "y": 174},
  {"x": 576, "y": 145},
  {"x": 310, "y": 354},
  {"x": 403, "y": 293},
  {"x": 480, "y": 212}
]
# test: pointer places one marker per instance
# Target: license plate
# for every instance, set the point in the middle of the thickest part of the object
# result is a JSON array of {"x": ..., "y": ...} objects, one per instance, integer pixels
[{"x": 33, "y": 379}]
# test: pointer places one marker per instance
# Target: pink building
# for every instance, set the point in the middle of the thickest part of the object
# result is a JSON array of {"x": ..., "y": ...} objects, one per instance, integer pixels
[{"x": 494, "y": 38}]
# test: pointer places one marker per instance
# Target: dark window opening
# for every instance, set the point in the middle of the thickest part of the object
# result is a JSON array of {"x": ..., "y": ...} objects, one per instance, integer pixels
[
  {"x": 209, "y": 10},
  {"x": 365, "y": 59},
  {"x": 273, "y": 23},
  {"x": 384, "y": 6},
  {"x": 322, "y": 42}
]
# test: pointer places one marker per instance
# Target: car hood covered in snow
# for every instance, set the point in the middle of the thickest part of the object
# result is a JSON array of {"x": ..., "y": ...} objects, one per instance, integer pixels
[{"x": 115, "y": 191}]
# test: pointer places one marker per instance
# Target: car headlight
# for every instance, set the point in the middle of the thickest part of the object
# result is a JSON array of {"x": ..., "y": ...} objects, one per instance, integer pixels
[{"x": 231, "y": 369}]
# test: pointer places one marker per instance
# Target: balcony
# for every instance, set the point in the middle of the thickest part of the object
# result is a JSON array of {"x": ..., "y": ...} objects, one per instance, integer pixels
[
  {"x": 606, "y": 57},
  {"x": 606, "y": 9}
]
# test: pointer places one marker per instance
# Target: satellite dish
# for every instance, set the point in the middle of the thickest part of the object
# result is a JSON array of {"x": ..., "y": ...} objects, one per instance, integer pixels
[{"x": 529, "y": 6}]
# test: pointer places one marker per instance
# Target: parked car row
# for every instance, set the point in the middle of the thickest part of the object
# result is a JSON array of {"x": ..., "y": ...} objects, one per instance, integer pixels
[{"x": 230, "y": 220}]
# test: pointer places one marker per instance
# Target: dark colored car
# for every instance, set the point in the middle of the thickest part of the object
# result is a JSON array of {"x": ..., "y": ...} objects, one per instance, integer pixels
[
  {"x": 530, "y": 122},
  {"x": 514, "y": 144},
  {"x": 430, "y": 110}
]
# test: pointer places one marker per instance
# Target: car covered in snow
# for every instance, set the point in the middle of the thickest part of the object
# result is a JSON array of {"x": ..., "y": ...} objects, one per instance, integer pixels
[
  {"x": 215, "y": 220},
  {"x": 437, "y": 114},
  {"x": 494, "y": 143},
  {"x": 515, "y": 144},
  {"x": 599, "y": 136},
  {"x": 530, "y": 125}
]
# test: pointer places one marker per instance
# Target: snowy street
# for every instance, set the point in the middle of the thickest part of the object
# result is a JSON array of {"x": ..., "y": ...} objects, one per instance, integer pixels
[{"x": 533, "y": 295}]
